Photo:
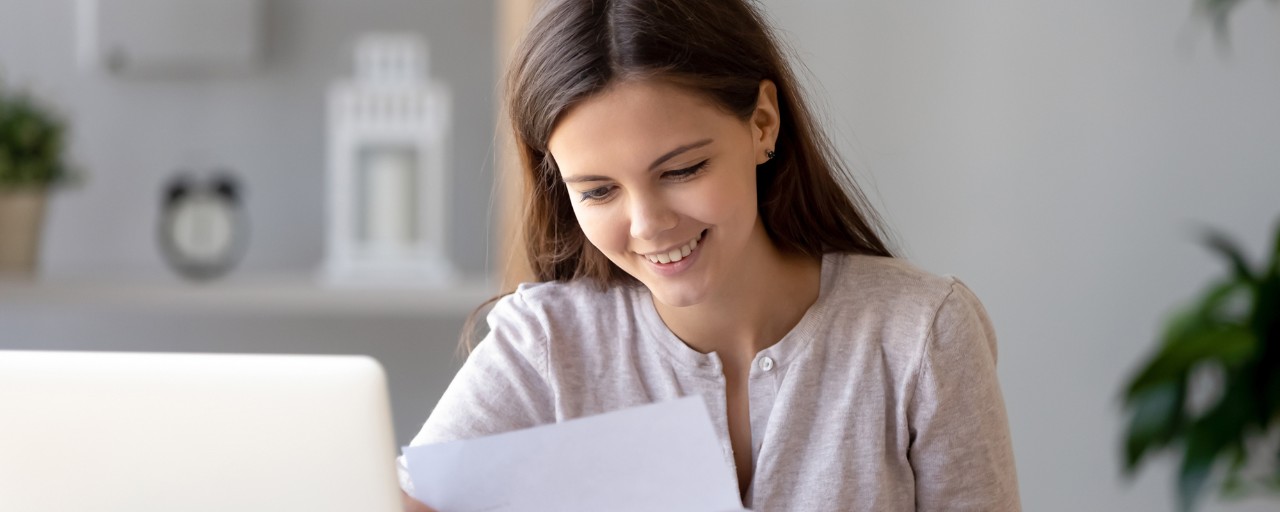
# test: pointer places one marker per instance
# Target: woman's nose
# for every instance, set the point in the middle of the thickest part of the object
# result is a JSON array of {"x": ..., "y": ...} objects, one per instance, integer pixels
[{"x": 650, "y": 217}]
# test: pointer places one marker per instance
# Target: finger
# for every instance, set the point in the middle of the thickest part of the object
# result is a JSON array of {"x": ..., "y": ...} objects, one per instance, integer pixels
[{"x": 412, "y": 505}]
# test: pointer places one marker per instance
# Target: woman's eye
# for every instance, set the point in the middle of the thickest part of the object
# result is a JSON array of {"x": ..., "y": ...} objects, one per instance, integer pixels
[
  {"x": 688, "y": 172},
  {"x": 596, "y": 194}
]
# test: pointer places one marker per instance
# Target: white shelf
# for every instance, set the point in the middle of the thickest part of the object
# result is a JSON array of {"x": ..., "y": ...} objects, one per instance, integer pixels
[{"x": 266, "y": 295}]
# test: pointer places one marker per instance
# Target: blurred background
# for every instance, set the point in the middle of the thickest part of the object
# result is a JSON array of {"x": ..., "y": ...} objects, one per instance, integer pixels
[{"x": 1057, "y": 156}]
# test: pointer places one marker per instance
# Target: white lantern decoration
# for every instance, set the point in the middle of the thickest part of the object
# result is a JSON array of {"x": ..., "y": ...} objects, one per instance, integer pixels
[{"x": 387, "y": 182}]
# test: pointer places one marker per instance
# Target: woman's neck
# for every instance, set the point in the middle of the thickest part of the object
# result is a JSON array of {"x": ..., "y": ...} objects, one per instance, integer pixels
[{"x": 754, "y": 310}]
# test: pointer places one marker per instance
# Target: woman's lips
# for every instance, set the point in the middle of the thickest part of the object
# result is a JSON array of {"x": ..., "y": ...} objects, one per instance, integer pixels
[{"x": 686, "y": 261}]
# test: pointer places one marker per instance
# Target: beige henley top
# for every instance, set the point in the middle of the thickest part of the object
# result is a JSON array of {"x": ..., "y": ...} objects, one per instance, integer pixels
[{"x": 883, "y": 398}]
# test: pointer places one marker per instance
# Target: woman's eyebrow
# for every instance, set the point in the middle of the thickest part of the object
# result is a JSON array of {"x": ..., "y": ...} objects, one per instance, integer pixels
[
  {"x": 653, "y": 166},
  {"x": 673, "y": 153}
]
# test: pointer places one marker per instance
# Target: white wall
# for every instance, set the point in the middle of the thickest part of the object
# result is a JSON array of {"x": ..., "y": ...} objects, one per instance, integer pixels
[
  {"x": 1052, "y": 154},
  {"x": 1056, "y": 156}
]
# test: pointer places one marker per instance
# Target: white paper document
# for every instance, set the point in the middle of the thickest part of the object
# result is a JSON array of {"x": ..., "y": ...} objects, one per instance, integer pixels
[{"x": 658, "y": 457}]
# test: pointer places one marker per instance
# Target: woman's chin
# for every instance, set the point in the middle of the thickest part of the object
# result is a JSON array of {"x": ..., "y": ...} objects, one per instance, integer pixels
[{"x": 676, "y": 298}]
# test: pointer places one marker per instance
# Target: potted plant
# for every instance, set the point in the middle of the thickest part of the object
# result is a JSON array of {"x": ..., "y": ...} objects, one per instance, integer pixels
[
  {"x": 1212, "y": 389},
  {"x": 31, "y": 161}
]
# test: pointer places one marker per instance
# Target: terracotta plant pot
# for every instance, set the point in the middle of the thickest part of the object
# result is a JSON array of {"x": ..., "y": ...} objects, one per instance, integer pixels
[{"x": 21, "y": 214}]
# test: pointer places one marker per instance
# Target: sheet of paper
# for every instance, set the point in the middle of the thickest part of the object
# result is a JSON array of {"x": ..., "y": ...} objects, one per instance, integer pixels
[{"x": 662, "y": 456}]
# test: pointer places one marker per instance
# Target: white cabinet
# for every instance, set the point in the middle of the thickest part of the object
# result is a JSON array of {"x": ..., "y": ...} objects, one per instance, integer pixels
[{"x": 169, "y": 38}]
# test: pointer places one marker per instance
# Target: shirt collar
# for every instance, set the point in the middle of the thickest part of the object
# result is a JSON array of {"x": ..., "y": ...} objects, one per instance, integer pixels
[{"x": 785, "y": 350}]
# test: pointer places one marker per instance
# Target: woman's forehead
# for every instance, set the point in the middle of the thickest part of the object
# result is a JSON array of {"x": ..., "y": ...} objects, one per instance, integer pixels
[{"x": 631, "y": 123}]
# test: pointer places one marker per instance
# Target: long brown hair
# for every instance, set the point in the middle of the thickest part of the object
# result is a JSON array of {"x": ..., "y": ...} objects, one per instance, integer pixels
[{"x": 723, "y": 49}]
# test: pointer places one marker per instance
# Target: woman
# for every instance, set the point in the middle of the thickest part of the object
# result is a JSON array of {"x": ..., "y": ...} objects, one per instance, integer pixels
[{"x": 690, "y": 232}]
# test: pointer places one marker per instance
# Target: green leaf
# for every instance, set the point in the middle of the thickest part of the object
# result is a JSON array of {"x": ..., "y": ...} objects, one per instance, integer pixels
[
  {"x": 1203, "y": 340},
  {"x": 1266, "y": 326},
  {"x": 1196, "y": 464},
  {"x": 1157, "y": 416},
  {"x": 1212, "y": 306},
  {"x": 1221, "y": 428},
  {"x": 1274, "y": 267},
  {"x": 1234, "y": 487},
  {"x": 1227, "y": 247},
  {"x": 31, "y": 137}
]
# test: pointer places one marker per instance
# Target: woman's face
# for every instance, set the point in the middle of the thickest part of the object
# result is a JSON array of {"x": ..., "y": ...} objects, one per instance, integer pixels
[{"x": 663, "y": 183}]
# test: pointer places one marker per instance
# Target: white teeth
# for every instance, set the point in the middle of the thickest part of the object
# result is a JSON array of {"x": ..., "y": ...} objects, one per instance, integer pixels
[{"x": 675, "y": 254}]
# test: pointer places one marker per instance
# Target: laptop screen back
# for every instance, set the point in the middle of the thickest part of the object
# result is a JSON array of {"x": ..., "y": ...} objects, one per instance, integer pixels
[{"x": 143, "y": 432}]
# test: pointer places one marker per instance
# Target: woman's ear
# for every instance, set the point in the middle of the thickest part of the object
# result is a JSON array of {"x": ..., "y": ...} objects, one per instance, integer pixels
[{"x": 765, "y": 121}]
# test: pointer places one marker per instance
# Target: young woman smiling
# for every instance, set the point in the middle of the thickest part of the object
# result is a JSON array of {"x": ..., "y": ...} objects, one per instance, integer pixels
[{"x": 692, "y": 233}]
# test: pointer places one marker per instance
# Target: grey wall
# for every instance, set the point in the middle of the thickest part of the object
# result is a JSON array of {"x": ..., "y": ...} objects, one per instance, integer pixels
[
  {"x": 129, "y": 134},
  {"x": 1055, "y": 155}
]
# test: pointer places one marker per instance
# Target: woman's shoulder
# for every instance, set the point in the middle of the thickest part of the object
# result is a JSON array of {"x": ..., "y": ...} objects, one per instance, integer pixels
[
  {"x": 906, "y": 306},
  {"x": 578, "y": 293},
  {"x": 871, "y": 279},
  {"x": 894, "y": 293},
  {"x": 560, "y": 305},
  {"x": 906, "y": 312}
]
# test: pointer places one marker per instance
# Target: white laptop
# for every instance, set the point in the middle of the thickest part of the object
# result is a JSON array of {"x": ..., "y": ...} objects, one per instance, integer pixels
[{"x": 137, "y": 432}]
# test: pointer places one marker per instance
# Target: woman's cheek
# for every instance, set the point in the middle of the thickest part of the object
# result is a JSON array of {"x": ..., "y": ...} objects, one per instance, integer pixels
[
  {"x": 706, "y": 203},
  {"x": 601, "y": 228}
]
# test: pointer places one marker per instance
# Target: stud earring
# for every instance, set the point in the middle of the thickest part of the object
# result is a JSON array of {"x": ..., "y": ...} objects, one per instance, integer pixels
[{"x": 769, "y": 153}]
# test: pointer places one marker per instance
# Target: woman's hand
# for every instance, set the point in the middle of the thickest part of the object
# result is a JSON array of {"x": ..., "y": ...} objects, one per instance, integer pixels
[{"x": 412, "y": 505}]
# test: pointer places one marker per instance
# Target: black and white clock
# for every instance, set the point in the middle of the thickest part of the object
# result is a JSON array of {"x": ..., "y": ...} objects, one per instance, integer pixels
[{"x": 203, "y": 229}]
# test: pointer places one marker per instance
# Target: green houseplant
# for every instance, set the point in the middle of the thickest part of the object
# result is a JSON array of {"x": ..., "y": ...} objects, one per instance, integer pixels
[
  {"x": 1232, "y": 332},
  {"x": 31, "y": 161}
]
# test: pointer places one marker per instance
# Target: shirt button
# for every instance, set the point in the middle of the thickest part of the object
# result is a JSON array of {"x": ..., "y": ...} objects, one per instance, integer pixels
[{"x": 766, "y": 363}]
